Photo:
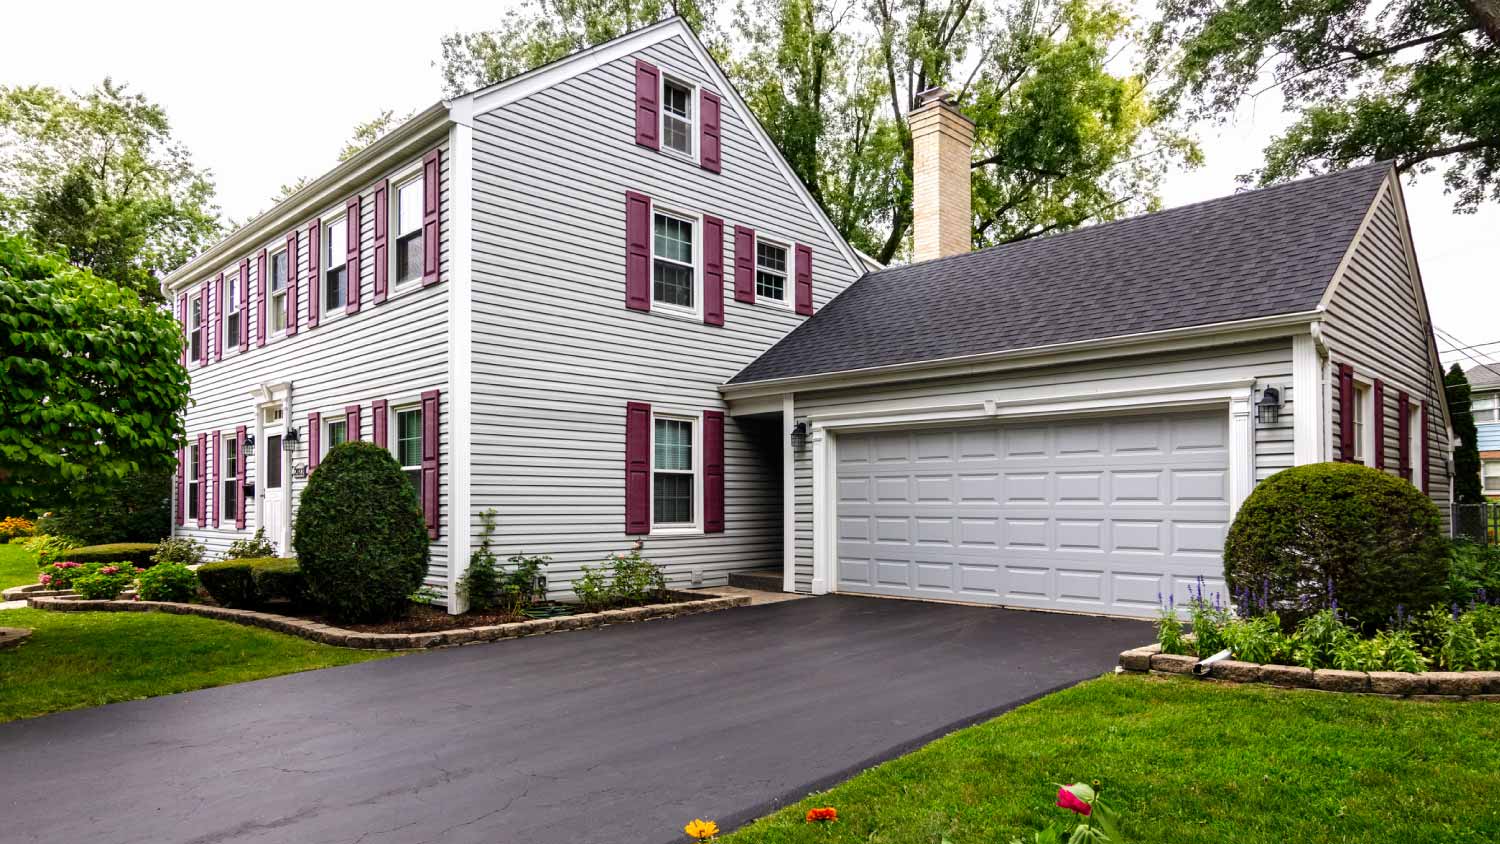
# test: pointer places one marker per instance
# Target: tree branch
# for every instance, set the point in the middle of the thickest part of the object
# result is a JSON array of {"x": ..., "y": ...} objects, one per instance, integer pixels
[{"x": 1441, "y": 152}]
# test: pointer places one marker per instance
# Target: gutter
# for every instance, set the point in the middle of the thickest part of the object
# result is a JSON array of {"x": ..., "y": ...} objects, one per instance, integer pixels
[{"x": 421, "y": 129}]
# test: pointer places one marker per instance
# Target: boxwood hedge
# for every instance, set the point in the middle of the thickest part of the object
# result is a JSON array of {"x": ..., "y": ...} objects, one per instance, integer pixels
[{"x": 137, "y": 554}]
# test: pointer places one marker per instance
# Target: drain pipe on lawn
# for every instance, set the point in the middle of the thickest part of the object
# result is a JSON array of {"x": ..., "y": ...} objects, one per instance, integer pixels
[{"x": 1203, "y": 666}]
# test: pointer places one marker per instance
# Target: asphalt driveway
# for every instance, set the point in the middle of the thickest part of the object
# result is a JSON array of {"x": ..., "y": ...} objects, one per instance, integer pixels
[{"x": 614, "y": 736}]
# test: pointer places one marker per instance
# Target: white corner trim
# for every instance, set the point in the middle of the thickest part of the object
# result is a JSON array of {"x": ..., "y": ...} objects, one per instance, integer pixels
[
  {"x": 460, "y": 355},
  {"x": 788, "y": 496},
  {"x": 825, "y": 511},
  {"x": 1241, "y": 449},
  {"x": 1308, "y": 410}
]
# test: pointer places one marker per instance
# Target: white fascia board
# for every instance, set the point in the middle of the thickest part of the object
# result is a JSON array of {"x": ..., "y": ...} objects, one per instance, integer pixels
[{"x": 1176, "y": 339}]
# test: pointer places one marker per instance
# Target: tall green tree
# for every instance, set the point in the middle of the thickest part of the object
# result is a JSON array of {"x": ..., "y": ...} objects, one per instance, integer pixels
[
  {"x": 1467, "y": 486},
  {"x": 91, "y": 387},
  {"x": 1413, "y": 81},
  {"x": 100, "y": 176}
]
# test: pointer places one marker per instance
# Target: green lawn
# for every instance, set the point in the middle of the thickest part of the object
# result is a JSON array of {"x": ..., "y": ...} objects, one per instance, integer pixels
[
  {"x": 17, "y": 566},
  {"x": 1184, "y": 761},
  {"x": 74, "y": 660}
]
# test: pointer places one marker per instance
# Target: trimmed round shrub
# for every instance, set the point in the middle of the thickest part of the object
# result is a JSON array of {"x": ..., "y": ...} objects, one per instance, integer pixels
[
  {"x": 1336, "y": 535},
  {"x": 105, "y": 584},
  {"x": 137, "y": 554},
  {"x": 167, "y": 582},
  {"x": 359, "y": 534},
  {"x": 230, "y": 583},
  {"x": 278, "y": 579}
]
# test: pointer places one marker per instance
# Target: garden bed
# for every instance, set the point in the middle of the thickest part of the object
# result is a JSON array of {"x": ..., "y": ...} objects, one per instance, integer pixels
[
  {"x": 1447, "y": 685},
  {"x": 473, "y": 630}
]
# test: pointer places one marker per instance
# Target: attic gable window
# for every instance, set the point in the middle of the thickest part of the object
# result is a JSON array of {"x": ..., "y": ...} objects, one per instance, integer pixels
[
  {"x": 677, "y": 123},
  {"x": 770, "y": 271}
]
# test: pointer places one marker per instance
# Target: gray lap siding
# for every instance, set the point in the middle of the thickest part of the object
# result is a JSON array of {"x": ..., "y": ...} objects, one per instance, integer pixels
[{"x": 556, "y": 353}]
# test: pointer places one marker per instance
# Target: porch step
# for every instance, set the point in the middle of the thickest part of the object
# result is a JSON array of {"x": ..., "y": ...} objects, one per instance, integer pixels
[{"x": 766, "y": 580}]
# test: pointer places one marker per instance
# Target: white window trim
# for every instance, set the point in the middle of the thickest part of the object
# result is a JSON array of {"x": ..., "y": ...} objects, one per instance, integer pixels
[
  {"x": 679, "y": 529},
  {"x": 324, "y": 265},
  {"x": 694, "y": 99},
  {"x": 194, "y": 329},
  {"x": 393, "y": 409},
  {"x": 694, "y": 313},
  {"x": 291, "y": 280},
  {"x": 232, "y": 282},
  {"x": 325, "y": 439},
  {"x": 1484, "y": 476},
  {"x": 1364, "y": 434},
  {"x": 392, "y": 216},
  {"x": 788, "y": 288},
  {"x": 1414, "y": 442},
  {"x": 228, "y": 474},
  {"x": 191, "y": 487}
]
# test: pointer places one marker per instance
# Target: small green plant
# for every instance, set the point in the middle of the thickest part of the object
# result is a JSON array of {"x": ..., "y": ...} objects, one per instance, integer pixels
[
  {"x": 168, "y": 582},
  {"x": 1095, "y": 820},
  {"x": 1257, "y": 639},
  {"x": 104, "y": 584},
  {"x": 1398, "y": 652},
  {"x": 180, "y": 550},
  {"x": 635, "y": 580},
  {"x": 1169, "y": 628},
  {"x": 1460, "y": 650},
  {"x": 1207, "y": 619},
  {"x": 1319, "y": 637},
  {"x": 591, "y": 587},
  {"x": 483, "y": 584},
  {"x": 428, "y": 595},
  {"x": 49, "y": 548},
  {"x": 256, "y": 547}
]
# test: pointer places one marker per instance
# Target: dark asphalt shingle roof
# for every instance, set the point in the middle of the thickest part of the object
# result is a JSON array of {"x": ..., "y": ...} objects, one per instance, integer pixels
[{"x": 1252, "y": 254}]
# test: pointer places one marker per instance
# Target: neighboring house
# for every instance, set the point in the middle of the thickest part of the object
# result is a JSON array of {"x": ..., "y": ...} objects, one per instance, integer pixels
[
  {"x": 1484, "y": 393},
  {"x": 595, "y": 300}
]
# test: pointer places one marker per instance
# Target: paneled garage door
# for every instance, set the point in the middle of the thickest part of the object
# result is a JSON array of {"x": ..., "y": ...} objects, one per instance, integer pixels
[{"x": 1081, "y": 515}]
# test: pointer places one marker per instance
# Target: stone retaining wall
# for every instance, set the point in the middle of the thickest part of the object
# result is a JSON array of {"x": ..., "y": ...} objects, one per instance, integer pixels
[
  {"x": 683, "y": 604},
  {"x": 1445, "y": 685}
]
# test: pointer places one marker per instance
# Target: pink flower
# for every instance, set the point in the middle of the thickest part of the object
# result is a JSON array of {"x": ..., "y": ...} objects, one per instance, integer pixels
[
  {"x": 45, "y": 579},
  {"x": 110, "y": 570},
  {"x": 66, "y": 564},
  {"x": 1068, "y": 800}
]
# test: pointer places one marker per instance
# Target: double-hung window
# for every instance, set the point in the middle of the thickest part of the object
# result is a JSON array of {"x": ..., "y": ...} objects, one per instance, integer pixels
[
  {"x": 192, "y": 481},
  {"x": 335, "y": 269},
  {"x": 335, "y": 431},
  {"x": 277, "y": 269},
  {"x": 1492, "y": 477},
  {"x": 770, "y": 271},
  {"x": 408, "y": 217},
  {"x": 1361, "y": 412},
  {"x": 409, "y": 444},
  {"x": 677, "y": 119},
  {"x": 1414, "y": 443},
  {"x": 195, "y": 328},
  {"x": 673, "y": 472},
  {"x": 673, "y": 260},
  {"x": 1486, "y": 408},
  {"x": 232, "y": 312},
  {"x": 230, "y": 474}
]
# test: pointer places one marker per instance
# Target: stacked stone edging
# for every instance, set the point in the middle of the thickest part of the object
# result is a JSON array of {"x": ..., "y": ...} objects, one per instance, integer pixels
[
  {"x": 1433, "y": 685},
  {"x": 684, "y": 604},
  {"x": 30, "y": 590}
]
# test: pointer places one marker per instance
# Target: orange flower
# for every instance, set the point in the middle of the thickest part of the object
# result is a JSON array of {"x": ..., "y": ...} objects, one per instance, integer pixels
[
  {"x": 825, "y": 813},
  {"x": 701, "y": 829}
]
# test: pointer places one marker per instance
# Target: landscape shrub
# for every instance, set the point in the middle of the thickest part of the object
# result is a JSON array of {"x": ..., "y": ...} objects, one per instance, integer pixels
[
  {"x": 137, "y": 508},
  {"x": 360, "y": 536},
  {"x": 134, "y": 554},
  {"x": 256, "y": 547},
  {"x": 104, "y": 583},
  {"x": 167, "y": 582},
  {"x": 1336, "y": 535},
  {"x": 489, "y": 586},
  {"x": 231, "y": 583},
  {"x": 13, "y": 527},
  {"x": 61, "y": 574},
  {"x": 49, "y": 548},
  {"x": 1474, "y": 573},
  {"x": 626, "y": 580},
  {"x": 278, "y": 579},
  {"x": 181, "y": 550}
]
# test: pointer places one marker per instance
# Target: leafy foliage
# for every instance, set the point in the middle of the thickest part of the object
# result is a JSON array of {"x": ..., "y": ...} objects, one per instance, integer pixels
[
  {"x": 104, "y": 583},
  {"x": 1474, "y": 573},
  {"x": 1415, "y": 81},
  {"x": 135, "y": 554},
  {"x": 181, "y": 550},
  {"x": 91, "y": 391},
  {"x": 1336, "y": 535},
  {"x": 167, "y": 582},
  {"x": 230, "y": 582},
  {"x": 1467, "y": 486},
  {"x": 137, "y": 508},
  {"x": 49, "y": 548},
  {"x": 12, "y": 527},
  {"x": 360, "y": 536},
  {"x": 256, "y": 547},
  {"x": 278, "y": 579}
]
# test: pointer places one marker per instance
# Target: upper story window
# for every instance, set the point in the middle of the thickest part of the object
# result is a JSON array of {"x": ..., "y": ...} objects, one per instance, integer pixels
[
  {"x": 1362, "y": 414},
  {"x": 335, "y": 270},
  {"x": 1492, "y": 477},
  {"x": 672, "y": 261},
  {"x": 277, "y": 270},
  {"x": 673, "y": 472},
  {"x": 232, "y": 312},
  {"x": 1486, "y": 408},
  {"x": 770, "y": 271},
  {"x": 336, "y": 431},
  {"x": 408, "y": 218},
  {"x": 1414, "y": 444},
  {"x": 230, "y": 474},
  {"x": 677, "y": 120},
  {"x": 195, "y": 327},
  {"x": 408, "y": 448}
]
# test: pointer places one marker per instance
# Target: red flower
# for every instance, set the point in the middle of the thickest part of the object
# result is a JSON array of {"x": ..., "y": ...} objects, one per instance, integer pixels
[
  {"x": 825, "y": 813},
  {"x": 1068, "y": 800}
]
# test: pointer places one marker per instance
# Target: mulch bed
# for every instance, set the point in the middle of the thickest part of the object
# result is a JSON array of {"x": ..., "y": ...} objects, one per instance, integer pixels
[{"x": 425, "y": 618}]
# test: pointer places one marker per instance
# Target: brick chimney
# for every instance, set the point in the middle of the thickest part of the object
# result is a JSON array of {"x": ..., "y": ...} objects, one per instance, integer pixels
[{"x": 941, "y": 142}]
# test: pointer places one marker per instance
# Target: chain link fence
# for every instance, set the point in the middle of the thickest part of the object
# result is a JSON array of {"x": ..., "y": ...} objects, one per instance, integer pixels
[{"x": 1477, "y": 522}]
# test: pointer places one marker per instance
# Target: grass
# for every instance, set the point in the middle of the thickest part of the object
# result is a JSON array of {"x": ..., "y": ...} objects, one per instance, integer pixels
[
  {"x": 81, "y": 659},
  {"x": 1183, "y": 761},
  {"x": 17, "y": 566}
]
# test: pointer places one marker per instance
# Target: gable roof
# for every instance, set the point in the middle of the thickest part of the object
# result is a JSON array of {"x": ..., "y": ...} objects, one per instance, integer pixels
[
  {"x": 1254, "y": 254},
  {"x": 1484, "y": 376}
]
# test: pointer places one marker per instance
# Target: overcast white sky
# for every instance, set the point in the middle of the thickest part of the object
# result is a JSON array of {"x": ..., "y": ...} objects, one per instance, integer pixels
[{"x": 267, "y": 92}]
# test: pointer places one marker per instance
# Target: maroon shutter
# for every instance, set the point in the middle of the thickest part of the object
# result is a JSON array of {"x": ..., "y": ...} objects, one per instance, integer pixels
[
  {"x": 182, "y": 316},
  {"x": 744, "y": 264},
  {"x": 182, "y": 469},
  {"x": 239, "y": 478},
  {"x": 245, "y": 299},
  {"x": 637, "y": 251},
  {"x": 637, "y": 468},
  {"x": 804, "y": 280},
  {"x": 218, "y": 291},
  {"x": 708, "y": 130},
  {"x": 353, "y": 229},
  {"x": 378, "y": 414},
  {"x": 713, "y": 471},
  {"x": 314, "y": 439},
  {"x": 212, "y": 478},
  {"x": 1346, "y": 413},
  {"x": 314, "y": 258},
  {"x": 430, "y": 410},
  {"x": 432, "y": 194},
  {"x": 351, "y": 421},
  {"x": 1379, "y": 423},
  {"x": 380, "y": 255},
  {"x": 260, "y": 300},
  {"x": 205, "y": 304},
  {"x": 1426, "y": 463},
  {"x": 202, "y": 480},
  {"x": 713, "y": 270},
  {"x": 1403, "y": 433},
  {"x": 291, "y": 282},
  {"x": 647, "y": 93}
]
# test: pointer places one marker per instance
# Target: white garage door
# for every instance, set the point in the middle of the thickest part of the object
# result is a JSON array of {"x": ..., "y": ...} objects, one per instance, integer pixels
[{"x": 1093, "y": 515}]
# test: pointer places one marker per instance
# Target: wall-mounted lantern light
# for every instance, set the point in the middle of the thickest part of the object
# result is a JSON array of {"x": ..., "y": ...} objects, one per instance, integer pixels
[
  {"x": 799, "y": 436},
  {"x": 289, "y": 441},
  {"x": 1268, "y": 409},
  {"x": 249, "y": 445}
]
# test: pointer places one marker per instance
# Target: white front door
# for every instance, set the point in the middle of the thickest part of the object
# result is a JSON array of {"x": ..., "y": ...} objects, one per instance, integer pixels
[{"x": 273, "y": 490}]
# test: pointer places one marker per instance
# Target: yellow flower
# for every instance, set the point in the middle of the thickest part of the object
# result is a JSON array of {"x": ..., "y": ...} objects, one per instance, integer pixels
[{"x": 701, "y": 829}]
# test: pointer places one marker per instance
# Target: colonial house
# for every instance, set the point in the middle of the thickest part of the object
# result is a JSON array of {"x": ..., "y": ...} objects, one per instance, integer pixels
[
  {"x": 1484, "y": 381},
  {"x": 596, "y": 301}
]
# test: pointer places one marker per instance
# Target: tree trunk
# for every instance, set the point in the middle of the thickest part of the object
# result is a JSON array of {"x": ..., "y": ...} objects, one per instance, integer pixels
[{"x": 1486, "y": 13}]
